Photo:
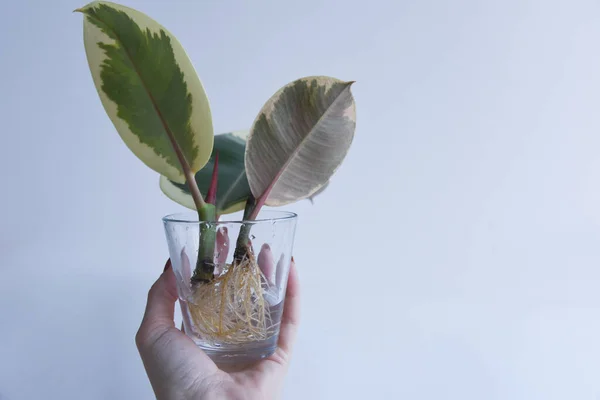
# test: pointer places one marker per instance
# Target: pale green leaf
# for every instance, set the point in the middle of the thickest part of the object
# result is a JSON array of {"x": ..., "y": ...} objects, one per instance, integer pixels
[
  {"x": 148, "y": 88},
  {"x": 299, "y": 139}
]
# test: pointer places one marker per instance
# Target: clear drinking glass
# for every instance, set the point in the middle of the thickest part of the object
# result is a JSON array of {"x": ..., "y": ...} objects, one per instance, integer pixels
[{"x": 235, "y": 317}]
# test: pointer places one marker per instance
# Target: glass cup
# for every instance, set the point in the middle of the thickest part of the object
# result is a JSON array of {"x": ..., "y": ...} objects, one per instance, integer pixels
[{"x": 236, "y": 316}]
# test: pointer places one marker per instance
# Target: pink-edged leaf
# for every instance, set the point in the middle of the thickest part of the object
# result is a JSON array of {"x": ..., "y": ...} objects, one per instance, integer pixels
[
  {"x": 299, "y": 139},
  {"x": 318, "y": 192}
]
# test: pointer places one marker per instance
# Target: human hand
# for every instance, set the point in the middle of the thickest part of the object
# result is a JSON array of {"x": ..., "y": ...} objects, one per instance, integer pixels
[{"x": 179, "y": 370}]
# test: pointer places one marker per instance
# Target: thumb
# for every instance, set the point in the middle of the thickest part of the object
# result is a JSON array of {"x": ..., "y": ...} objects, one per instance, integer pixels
[
  {"x": 160, "y": 307},
  {"x": 171, "y": 359}
]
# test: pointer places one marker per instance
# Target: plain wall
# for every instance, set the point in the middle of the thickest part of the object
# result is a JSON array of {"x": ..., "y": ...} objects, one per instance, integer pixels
[{"x": 454, "y": 256}]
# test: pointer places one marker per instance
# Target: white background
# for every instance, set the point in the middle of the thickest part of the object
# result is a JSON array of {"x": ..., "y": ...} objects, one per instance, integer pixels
[{"x": 454, "y": 256}]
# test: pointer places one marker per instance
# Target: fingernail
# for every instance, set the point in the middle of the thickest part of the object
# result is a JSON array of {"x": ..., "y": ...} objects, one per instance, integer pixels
[
  {"x": 293, "y": 259},
  {"x": 167, "y": 265}
]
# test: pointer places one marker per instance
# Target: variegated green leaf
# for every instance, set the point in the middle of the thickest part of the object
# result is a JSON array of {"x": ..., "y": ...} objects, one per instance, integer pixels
[
  {"x": 148, "y": 88},
  {"x": 232, "y": 187},
  {"x": 299, "y": 139}
]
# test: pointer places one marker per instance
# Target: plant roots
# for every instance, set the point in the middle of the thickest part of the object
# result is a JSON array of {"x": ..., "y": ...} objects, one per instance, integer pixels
[{"x": 231, "y": 309}]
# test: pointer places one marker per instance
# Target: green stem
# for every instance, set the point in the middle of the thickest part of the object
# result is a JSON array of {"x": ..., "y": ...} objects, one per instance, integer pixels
[
  {"x": 241, "y": 246},
  {"x": 205, "y": 265}
]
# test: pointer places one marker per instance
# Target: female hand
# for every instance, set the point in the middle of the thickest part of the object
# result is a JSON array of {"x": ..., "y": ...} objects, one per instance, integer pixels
[{"x": 178, "y": 369}]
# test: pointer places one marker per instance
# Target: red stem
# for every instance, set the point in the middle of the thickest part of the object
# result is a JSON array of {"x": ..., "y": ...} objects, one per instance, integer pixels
[{"x": 211, "y": 195}]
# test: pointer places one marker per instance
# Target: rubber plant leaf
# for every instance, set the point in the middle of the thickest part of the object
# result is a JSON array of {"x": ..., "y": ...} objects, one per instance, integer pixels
[
  {"x": 149, "y": 88},
  {"x": 232, "y": 189},
  {"x": 318, "y": 192},
  {"x": 299, "y": 139}
]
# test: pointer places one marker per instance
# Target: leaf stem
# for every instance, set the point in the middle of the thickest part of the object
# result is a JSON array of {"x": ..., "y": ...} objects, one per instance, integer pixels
[
  {"x": 256, "y": 207},
  {"x": 205, "y": 265},
  {"x": 211, "y": 194}
]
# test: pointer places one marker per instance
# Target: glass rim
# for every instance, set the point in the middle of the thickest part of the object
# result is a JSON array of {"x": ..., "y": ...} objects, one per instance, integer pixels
[{"x": 180, "y": 218}]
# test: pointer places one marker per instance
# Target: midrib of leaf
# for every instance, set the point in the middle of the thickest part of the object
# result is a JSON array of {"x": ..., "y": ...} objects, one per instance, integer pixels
[
  {"x": 189, "y": 175},
  {"x": 263, "y": 197}
]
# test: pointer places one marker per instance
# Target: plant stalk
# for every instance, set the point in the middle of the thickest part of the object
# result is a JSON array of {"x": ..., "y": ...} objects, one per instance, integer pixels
[
  {"x": 205, "y": 264},
  {"x": 241, "y": 245}
]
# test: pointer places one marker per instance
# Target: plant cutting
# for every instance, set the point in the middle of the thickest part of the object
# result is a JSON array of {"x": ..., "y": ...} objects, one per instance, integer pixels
[{"x": 231, "y": 293}]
